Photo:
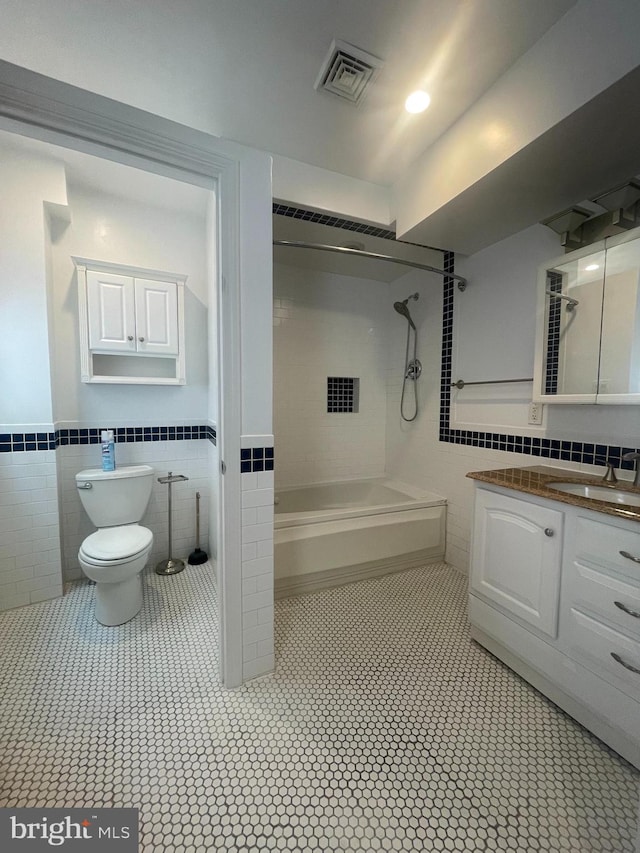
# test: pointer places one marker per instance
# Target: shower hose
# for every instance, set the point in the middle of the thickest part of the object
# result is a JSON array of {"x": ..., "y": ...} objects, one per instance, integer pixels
[{"x": 410, "y": 374}]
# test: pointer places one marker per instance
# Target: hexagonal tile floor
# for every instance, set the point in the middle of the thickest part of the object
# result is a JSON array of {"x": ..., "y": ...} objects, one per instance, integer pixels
[{"x": 384, "y": 728}]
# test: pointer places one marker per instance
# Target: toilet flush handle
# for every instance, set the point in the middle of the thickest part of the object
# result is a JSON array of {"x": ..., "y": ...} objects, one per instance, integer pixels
[{"x": 85, "y": 485}]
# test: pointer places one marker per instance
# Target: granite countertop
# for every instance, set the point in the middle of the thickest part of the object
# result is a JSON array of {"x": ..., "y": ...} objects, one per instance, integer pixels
[{"x": 535, "y": 480}]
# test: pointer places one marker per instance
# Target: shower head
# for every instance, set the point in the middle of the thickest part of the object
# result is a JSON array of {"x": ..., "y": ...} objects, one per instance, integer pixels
[{"x": 401, "y": 308}]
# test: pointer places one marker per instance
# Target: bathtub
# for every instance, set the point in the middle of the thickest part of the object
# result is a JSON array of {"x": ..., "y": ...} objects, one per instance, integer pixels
[{"x": 336, "y": 533}]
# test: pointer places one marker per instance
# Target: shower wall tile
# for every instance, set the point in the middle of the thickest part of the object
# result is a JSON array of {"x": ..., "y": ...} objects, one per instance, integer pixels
[
  {"x": 327, "y": 325},
  {"x": 30, "y": 566},
  {"x": 190, "y": 458}
]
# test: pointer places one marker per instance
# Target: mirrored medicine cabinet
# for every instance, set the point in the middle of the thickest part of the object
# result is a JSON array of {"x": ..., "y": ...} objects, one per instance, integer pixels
[{"x": 588, "y": 325}]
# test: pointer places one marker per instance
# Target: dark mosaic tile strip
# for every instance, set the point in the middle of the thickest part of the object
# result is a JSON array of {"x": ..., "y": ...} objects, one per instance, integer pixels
[
  {"x": 17, "y": 441},
  {"x": 588, "y": 453},
  {"x": 337, "y": 222},
  {"x": 132, "y": 434},
  {"x": 554, "y": 282},
  {"x": 256, "y": 459},
  {"x": 334, "y": 221}
]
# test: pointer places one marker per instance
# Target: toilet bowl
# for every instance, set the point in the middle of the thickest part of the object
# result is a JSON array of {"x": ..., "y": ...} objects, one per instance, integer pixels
[
  {"x": 116, "y": 554},
  {"x": 117, "y": 575}
]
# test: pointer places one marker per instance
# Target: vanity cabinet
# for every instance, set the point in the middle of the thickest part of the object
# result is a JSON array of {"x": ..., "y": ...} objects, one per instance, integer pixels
[
  {"x": 562, "y": 610},
  {"x": 131, "y": 324},
  {"x": 601, "y": 602},
  {"x": 517, "y": 558}
]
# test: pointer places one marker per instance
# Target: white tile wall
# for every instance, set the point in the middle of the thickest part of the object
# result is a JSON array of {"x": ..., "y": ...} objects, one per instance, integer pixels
[
  {"x": 327, "y": 325},
  {"x": 257, "y": 566},
  {"x": 181, "y": 457},
  {"x": 30, "y": 567}
]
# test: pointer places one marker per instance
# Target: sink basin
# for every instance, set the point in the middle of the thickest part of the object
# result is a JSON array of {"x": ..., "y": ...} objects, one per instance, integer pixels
[{"x": 598, "y": 493}]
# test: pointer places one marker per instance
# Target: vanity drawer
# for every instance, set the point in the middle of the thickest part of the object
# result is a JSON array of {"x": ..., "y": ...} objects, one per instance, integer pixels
[
  {"x": 602, "y": 544},
  {"x": 594, "y": 644},
  {"x": 613, "y": 598}
]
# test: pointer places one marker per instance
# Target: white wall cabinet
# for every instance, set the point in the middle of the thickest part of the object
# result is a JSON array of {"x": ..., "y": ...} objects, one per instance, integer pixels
[
  {"x": 128, "y": 314},
  {"x": 131, "y": 324},
  {"x": 588, "y": 324},
  {"x": 562, "y": 610}
]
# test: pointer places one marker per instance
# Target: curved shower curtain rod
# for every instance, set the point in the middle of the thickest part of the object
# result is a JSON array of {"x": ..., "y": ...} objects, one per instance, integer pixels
[{"x": 297, "y": 244}]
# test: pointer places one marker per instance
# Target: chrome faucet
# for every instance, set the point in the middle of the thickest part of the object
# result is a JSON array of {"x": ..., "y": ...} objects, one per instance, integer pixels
[
  {"x": 610, "y": 474},
  {"x": 634, "y": 456}
]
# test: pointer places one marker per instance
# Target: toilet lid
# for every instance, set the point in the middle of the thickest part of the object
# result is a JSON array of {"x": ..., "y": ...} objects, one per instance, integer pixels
[{"x": 116, "y": 543}]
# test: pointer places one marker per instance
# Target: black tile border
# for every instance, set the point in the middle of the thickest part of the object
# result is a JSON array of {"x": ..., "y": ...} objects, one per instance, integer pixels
[
  {"x": 127, "y": 435},
  {"x": 29, "y": 441},
  {"x": 335, "y": 221},
  {"x": 338, "y": 222},
  {"x": 22, "y": 441},
  {"x": 251, "y": 460},
  {"x": 255, "y": 459},
  {"x": 589, "y": 453}
]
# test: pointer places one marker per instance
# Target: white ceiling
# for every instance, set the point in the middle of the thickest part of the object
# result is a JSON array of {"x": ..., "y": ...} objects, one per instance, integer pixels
[
  {"x": 247, "y": 68},
  {"x": 456, "y": 49}
]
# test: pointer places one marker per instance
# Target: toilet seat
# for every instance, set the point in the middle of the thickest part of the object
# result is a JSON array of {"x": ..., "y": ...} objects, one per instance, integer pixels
[{"x": 113, "y": 545}]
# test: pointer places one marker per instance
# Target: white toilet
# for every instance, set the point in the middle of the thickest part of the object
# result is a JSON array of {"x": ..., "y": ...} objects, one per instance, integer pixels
[{"x": 115, "y": 555}]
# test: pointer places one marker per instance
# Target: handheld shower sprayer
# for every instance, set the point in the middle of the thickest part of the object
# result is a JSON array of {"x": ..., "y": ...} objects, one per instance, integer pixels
[
  {"x": 401, "y": 308},
  {"x": 413, "y": 368}
]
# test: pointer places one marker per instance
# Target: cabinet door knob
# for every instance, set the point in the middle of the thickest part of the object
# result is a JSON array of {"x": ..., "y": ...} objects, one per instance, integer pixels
[
  {"x": 129, "y": 337},
  {"x": 549, "y": 531},
  {"x": 141, "y": 340}
]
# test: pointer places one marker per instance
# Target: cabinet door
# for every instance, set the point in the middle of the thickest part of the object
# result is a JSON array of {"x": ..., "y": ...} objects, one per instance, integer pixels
[
  {"x": 516, "y": 558},
  {"x": 111, "y": 312},
  {"x": 156, "y": 317}
]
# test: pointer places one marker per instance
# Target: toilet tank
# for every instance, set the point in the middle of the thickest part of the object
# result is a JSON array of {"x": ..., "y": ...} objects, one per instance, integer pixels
[{"x": 115, "y": 497}]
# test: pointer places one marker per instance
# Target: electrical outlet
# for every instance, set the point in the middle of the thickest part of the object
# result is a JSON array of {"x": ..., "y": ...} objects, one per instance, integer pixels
[{"x": 535, "y": 412}]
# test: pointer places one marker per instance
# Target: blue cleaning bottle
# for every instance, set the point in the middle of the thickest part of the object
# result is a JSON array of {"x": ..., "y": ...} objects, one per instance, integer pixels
[{"x": 108, "y": 450}]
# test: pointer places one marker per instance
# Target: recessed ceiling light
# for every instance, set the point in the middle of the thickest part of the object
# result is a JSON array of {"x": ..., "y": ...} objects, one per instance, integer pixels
[
  {"x": 417, "y": 102},
  {"x": 592, "y": 267}
]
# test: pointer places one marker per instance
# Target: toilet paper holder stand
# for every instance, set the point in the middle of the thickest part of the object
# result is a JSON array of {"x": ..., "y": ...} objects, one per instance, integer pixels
[{"x": 172, "y": 565}]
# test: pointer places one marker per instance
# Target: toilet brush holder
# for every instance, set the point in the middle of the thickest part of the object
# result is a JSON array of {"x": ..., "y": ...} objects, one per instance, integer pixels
[
  {"x": 198, "y": 556},
  {"x": 172, "y": 565}
]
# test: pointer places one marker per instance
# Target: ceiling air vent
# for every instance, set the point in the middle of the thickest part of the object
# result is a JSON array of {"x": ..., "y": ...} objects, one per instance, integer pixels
[{"x": 347, "y": 71}]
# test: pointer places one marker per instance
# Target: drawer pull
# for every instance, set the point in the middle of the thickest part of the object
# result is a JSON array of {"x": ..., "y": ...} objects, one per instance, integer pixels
[
  {"x": 549, "y": 531},
  {"x": 626, "y": 665},
  {"x": 627, "y": 609},
  {"x": 629, "y": 556}
]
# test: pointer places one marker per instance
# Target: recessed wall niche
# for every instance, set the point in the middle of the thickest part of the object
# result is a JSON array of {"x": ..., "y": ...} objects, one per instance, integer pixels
[{"x": 343, "y": 394}]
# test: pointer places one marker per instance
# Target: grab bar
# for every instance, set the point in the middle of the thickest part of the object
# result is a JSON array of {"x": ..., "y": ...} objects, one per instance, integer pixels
[{"x": 461, "y": 383}]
